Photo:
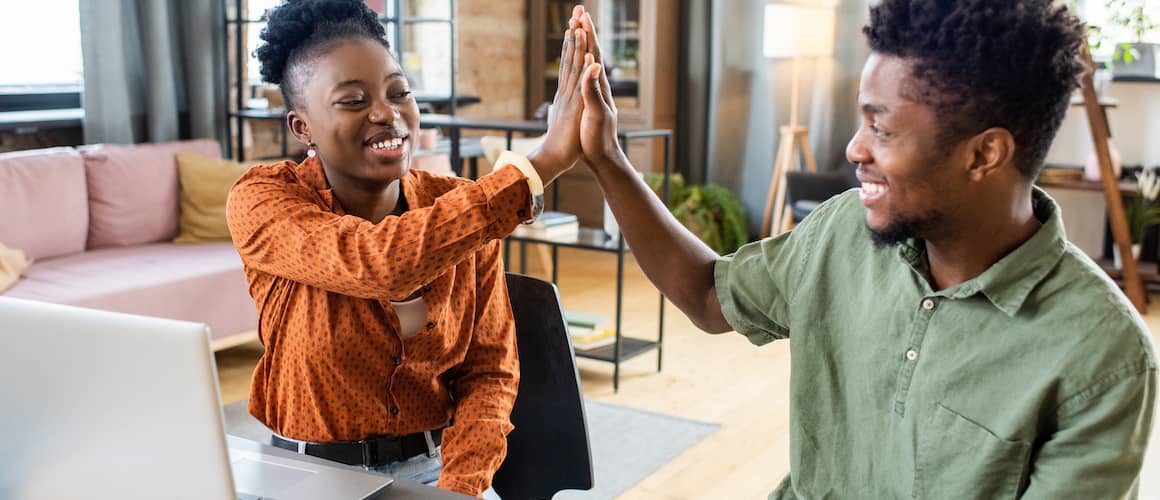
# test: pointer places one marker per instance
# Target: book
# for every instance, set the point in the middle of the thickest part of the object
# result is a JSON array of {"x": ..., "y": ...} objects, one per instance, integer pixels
[
  {"x": 552, "y": 218},
  {"x": 583, "y": 320},
  {"x": 588, "y": 331},
  {"x": 557, "y": 232},
  {"x": 550, "y": 226},
  {"x": 593, "y": 339},
  {"x": 582, "y": 335}
]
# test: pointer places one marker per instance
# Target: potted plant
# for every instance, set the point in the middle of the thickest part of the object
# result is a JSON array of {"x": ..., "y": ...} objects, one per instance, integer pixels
[
  {"x": 1138, "y": 57},
  {"x": 1141, "y": 211},
  {"x": 711, "y": 212}
]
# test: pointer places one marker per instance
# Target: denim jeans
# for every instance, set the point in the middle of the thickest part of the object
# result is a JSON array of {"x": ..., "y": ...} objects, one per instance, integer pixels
[{"x": 422, "y": 469}]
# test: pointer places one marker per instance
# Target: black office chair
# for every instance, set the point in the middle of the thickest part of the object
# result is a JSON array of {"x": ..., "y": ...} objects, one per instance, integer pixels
[
  {"x": 806, "y": 190},
  {"x": 548, "y": 451}
]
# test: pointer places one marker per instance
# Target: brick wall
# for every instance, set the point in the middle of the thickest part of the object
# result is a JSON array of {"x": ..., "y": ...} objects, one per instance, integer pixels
[{"x": 492, "y": 56}]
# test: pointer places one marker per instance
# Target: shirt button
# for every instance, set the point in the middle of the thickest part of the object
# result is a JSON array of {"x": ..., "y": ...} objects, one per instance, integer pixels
[
  {"x": 911, "y": 355},
  {"x": 430, "y": 325},
  {"x": 928, "y": 304},
  {"x": 522, "y": 213},
  {"x": 397, "y": 360},
  {"x": 394, "y": 410}
]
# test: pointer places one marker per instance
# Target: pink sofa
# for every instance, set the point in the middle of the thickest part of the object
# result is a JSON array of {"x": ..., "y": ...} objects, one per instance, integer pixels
[{"x": 98, "y": 223}]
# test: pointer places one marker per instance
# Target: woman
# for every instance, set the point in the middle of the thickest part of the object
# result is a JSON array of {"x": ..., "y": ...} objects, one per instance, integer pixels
[{"x": 380, "y": 289}]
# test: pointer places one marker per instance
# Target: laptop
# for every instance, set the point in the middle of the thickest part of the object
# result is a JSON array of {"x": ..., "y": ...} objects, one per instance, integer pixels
[{"x": 107, "y": 405}]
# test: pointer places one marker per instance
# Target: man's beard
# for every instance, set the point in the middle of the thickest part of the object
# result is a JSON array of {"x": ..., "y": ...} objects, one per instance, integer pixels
[{"x": 901, "y": 229}]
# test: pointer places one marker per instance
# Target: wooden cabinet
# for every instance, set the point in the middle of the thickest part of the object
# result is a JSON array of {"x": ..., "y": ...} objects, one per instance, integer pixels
[{"x": 640, "y": 46}]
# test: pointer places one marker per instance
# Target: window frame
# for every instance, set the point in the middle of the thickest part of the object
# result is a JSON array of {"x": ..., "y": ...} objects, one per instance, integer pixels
[{"x": 38, "y": 97}]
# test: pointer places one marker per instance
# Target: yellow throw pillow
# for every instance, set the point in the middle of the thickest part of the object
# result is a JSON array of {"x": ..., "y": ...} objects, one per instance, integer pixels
[
  {"x": 12, "y": 264},
  {"x": 205, "y": 186}
]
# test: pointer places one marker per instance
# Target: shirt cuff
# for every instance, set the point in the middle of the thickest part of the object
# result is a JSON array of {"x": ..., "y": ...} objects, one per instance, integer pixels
[
  {"x": 461, "y": 487},
  {"x": 721, "y": 281},
  {"x": 508, "y": 198}
]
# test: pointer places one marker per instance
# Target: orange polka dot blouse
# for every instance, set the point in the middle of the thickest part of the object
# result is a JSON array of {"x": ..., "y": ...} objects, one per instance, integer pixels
[{"x": 335, "y": 367}]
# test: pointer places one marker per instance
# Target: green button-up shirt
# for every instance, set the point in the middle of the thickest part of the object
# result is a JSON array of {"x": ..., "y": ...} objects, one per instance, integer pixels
[{"x": 1035, "y": 379}]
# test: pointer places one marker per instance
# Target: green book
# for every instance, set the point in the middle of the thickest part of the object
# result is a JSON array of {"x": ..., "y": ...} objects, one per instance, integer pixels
[{"x": 586, "y": 320}]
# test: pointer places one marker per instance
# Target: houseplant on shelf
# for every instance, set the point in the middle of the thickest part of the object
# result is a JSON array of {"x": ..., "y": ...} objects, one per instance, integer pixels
[
  {"x": 1138, "y": 57},
  {"x": 1141, "y": 211},
  {"x": 711, "y": 212}
]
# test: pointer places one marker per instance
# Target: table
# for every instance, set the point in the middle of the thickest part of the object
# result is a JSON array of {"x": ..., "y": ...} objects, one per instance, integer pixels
[
  {"x": 399, "y": 489},
  {"x": 441, "y": 103},
  {"x": 455, "y": 124}
]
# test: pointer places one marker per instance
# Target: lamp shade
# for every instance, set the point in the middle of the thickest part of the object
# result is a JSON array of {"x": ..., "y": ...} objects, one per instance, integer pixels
[{"x": 798, "y": 30}]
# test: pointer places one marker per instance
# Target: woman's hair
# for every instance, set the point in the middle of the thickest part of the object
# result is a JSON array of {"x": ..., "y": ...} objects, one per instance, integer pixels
[
  {"x": 987, "y": 63},
  {"x": 299, "y": 30}
]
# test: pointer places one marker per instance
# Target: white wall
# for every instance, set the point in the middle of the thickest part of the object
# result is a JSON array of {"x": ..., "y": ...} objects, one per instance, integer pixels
[{"x": 1135, "y": 128}]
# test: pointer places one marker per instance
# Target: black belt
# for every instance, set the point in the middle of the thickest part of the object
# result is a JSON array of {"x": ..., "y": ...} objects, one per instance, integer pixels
[{"x": 370, "y": 452}]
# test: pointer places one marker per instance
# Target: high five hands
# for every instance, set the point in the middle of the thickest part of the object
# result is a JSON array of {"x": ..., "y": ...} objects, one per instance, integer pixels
[
  {"x": 582, "y": 122},
  {"x": 598, "y": 121}
]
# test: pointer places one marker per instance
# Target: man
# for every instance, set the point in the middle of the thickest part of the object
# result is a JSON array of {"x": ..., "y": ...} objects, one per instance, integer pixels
[{"x": 948, "y": 342}]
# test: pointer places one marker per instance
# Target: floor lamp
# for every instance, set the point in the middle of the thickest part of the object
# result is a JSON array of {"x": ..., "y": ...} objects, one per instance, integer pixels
[{"x": 792, "y": 32}]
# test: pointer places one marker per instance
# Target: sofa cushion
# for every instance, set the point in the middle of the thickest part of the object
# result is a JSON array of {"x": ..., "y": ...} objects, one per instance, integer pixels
[
  {"x": 44, "y": 209},
  {"x": 133, "y": 191},
  {"x": 205, "y": 186},
  {"x": 201, "y": 283}
]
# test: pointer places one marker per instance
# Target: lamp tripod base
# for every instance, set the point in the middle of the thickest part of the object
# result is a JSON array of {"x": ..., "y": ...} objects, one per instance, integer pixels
[{"x": 779, "y": 218}]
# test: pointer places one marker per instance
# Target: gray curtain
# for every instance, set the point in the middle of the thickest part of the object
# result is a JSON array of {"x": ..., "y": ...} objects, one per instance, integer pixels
[
  {"x": 743, "y": 98},
  {"x": 154, "y": 70}
]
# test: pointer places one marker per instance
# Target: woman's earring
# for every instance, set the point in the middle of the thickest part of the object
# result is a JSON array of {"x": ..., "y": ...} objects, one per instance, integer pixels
[{"x": 310, "y": 151}]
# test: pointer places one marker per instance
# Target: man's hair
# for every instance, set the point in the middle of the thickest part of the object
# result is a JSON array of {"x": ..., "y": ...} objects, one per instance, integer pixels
[
  {"x": 987, "y": 63},
  {"x": 298, "y": 30}
]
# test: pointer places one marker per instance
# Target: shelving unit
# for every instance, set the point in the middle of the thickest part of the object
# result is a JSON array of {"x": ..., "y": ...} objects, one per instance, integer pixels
[
  {"x": 624, "y": 347},
  {"x": 1096, "y": 110}
]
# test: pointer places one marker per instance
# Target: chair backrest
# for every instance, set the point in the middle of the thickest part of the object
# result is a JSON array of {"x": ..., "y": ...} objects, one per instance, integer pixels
[
  {"x": 818, "y": 186},
  {"x": 548, "y": 451}
]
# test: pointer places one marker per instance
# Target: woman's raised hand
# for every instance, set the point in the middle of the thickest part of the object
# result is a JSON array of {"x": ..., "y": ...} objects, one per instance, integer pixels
[{"x": 561, "y": 147}]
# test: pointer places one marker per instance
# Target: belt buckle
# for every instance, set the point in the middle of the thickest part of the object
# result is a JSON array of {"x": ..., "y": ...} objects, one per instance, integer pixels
[
  {"x": 432, "y": 451},
  {"x": 370, "y": 453}
]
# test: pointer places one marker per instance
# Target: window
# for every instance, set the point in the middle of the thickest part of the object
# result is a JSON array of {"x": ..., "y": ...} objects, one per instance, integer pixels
[
  {"x": 1097, "y": 13},
  {"x": 42, "y": 63},
  {"x": 256, "y": 10}
]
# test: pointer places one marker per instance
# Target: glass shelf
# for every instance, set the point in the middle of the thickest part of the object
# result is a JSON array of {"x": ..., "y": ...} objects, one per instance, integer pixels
[
  {"x": 587, "y": 238},
  {"x": 629, "y": 348},
  {"x": 417, "y": 20}
]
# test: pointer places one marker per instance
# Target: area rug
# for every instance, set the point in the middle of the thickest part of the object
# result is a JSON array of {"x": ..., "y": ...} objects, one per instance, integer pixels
[{"x": 627, "y": 444}]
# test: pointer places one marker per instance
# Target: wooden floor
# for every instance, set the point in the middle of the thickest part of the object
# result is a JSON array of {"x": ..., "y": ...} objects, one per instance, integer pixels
[{"x": 714, "y": 378}]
